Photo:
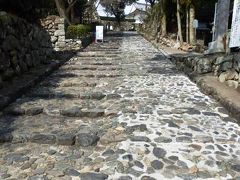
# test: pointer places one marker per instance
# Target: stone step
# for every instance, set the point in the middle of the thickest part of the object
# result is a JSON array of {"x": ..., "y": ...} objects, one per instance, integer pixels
[
  {"x": 67, "y": 83},
  {"x": 66, "y": 95},
  {"x": 94, "y": 63},
  {"x": 50, "y": 130},
  {"x": 99, "y": 58},
  {"x": 91, "y": 68},
  {"x": 81, "y": 84},
  {"x": 88, "y": 75},
  {"x": 102, "y": 49},
  {"x": 53, "y": 107},
  {"x": 70, "y": 95},
  {"x": 96, "y": 54},
  {"x": 103, "y": 52}
]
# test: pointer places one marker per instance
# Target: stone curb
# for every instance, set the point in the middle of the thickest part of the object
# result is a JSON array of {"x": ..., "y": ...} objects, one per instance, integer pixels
[
  {"x": 233, "y": 108},
  {"x": 212, "y": 91}
]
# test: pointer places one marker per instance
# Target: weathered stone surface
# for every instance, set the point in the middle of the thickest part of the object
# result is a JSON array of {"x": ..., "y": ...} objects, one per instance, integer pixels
[
  {"x": 34, "y": 111},
  {"x": 184, "y": 139},
  {"x": 194, "y": 128},
  {"x": 10, "y": 43},
  {"x": 141, "y": 127},
  {"x": 125, "y": 178},
  {"x": 128, "y": 157},
  {"x": 139, "y": 164},
  {"x": 93, "y": 176},
  {"x": 16, "y": 158},
  {"x": 86, "y": 139},
  {"x": 59, "y": 33},
  {"x": 147, "y": 178},
  {"x": 73, "y": 112},
  {"x": 156, "y": 164},
  {"x": 140, "y": 138},
  {"x": 108, "y": 152},
  {"x": 94, "y": 113},
  {"x": 233, "y": 84},
  {"x": 66, "y": 139},
  {"x": 236, "y": 167},
  {"x": 43, "y": 139},
  {"x": 163, "y": 140},
  {"x": 228, "y": 75},
  {"x": 38, "y": 177},
  {"x": 159, "y": 152},
  {"x": 193, "y": 111},
  {"x": 204, "y": 65},
  {"x": 71, "y": 172},
  {"x": 15, "y": 111}
]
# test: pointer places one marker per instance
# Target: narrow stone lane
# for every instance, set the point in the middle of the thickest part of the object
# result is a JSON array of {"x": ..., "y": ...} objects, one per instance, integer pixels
[{"x": 118, "y": 110}]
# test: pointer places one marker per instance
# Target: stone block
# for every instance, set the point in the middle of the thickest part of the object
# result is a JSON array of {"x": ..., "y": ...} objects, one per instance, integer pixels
[
  {"x": 203, "y": 65},
  {"x": 59, "y": 33},
  {"x": 61, "y": 26},
  {"x": 237, "y": 62},
  {"x": 43, "y": 139},
  {"x": 54, "y": 39},
  {"x": 232, "y": 83},
  {"x": 223, "y": 59},
  {"x": 11, "y": 43},
  {"x": 28, "y": 60},
  {"x": 228, "y": 75},
  {"x": 86, "y": 139},
  {"x": 4, "y": 61},
  {"x": 227, "y": 65},
  {"x": 60, "y": 44},
  {"x": 8, "y": 74},
  {"x": 61, "y": 38},
  {"x": 66, "y": 139}
]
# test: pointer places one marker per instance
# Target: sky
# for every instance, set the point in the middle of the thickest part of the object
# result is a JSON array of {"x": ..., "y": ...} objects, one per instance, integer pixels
[{"x": 128, "y": 9}]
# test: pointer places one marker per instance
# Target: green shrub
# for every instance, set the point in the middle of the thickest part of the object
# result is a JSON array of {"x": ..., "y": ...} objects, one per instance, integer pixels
[{"x": 78, "y": 31}]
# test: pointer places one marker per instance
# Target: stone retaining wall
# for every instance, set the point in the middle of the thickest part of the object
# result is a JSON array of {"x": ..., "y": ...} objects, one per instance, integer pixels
[
  {"x": 54, "y": 25},
  {"x": 22, "y": 46},
  {"x": 226, "y": 67}
]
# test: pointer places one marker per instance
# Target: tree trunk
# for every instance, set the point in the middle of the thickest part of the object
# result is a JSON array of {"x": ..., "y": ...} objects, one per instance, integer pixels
[
  {"x": 179, "y": 23},
  {"x": 72, "y": 15},
  {"x": 163, "y": 18},
  {"x": 187, "y": 24},
  {"x": 192, "y": 34},
  {"x": 62, "y": 10}
]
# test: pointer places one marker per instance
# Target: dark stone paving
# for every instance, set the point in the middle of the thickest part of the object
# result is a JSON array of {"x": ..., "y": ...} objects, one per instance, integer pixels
[{"x": 119, "y": 110}]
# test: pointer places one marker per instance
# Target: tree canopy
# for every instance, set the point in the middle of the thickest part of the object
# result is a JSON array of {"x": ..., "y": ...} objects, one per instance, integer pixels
[
  {"x": 116, "y": 7},
  {"x": 33, "y": 10}
]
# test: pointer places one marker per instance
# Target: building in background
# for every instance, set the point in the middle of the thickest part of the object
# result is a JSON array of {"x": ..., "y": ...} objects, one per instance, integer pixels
[
  {"x": 138, "y": 12},
  {"x": 134, "y": 17}
]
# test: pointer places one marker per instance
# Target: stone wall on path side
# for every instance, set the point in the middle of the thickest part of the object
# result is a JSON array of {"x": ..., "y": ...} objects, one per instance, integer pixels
[{"x": 22, "y": 46}]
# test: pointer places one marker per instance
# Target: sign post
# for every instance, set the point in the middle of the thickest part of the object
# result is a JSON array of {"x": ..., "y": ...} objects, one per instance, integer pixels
[
  {"x": 195, "y": 26},
  {"x": 235, "y": 31},
  {"x": 99, "y": 33}
]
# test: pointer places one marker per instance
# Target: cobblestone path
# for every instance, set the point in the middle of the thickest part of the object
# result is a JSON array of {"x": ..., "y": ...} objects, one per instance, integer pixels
[{"x": 118, "y": 110}]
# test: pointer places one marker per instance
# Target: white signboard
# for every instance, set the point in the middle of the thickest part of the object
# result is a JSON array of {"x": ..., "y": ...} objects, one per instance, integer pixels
[
  {"x": 99, "y": 33},
  {"x": 195, "y": 23},
  {"x": 235, "y": 31}
]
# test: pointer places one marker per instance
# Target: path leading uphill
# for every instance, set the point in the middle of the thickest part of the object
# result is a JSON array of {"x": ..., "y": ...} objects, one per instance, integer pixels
[{"x": 118, "y": 110}]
